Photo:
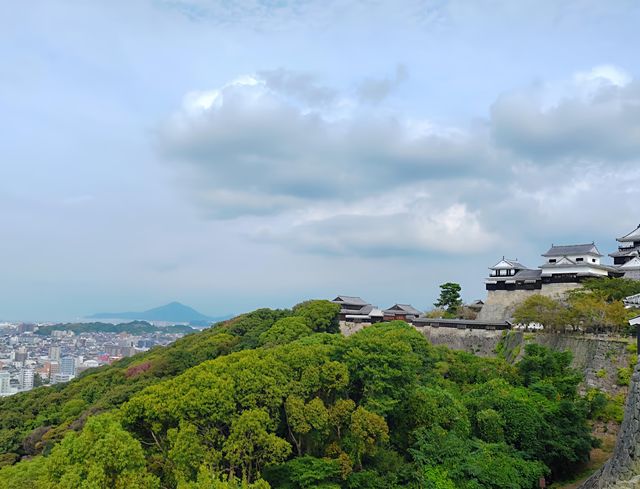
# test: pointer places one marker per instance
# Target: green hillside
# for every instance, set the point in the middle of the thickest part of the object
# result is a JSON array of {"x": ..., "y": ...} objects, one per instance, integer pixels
[
  {"x": 278, "y": 398},
  {"x": 132, "y": 327}
]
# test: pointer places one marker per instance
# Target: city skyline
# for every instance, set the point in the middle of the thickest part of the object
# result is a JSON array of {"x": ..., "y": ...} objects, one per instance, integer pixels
[{"x": 32, "y": 355}]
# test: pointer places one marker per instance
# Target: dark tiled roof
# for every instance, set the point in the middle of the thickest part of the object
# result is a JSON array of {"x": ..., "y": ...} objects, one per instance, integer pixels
[
  {"x": 513, "y": 263},
  {"x": 579, "y": 249},
  {"x": 406, "y": 308},
  {"x": 351, "y": 300},
  {"x": 632, "y": 264},
  {"x": 632, "y": 236},
  {"x": 366, "y": 309},
  {"x": 625, "y": 252},
  {"x": 454, "y": 322},
  {"x": 528, "y": 274}
]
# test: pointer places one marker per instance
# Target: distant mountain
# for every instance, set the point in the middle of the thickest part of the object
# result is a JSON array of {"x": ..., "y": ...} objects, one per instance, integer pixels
[{"x": 172, "y": 312}]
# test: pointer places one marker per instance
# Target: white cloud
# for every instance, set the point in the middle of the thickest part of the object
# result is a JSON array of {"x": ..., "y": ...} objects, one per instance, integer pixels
[
  {"x": 603, "y": 74},
  {"x": 398, "y": 223},
  {"x": 328, "y": 174},
  {"x": 284, "y": 142},
  {"x": 594, "y": 117},
  {"x": 198, "y": 102}
]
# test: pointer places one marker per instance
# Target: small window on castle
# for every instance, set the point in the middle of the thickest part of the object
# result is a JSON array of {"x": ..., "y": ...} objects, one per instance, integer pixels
[
  {"x": 579, "y": 259},
  {"x": 552, "y": 260},
  {"x": 593, "y": 260}
]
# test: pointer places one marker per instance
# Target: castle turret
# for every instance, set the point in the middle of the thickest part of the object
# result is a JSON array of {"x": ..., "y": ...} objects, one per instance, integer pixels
[
  {"x": 628, "y": 247},
  {"x": 572, "y": 263},
  {"x": 511, "y": 275}
]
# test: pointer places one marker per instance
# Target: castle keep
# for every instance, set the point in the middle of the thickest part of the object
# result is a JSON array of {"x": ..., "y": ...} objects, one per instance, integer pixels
[{"x": 627, "y": 258}]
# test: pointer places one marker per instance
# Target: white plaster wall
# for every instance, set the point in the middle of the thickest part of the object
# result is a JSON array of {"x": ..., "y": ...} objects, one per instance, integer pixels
[
  {"x": 582, "y": 269},
  {"x": 632, "y": 274}
]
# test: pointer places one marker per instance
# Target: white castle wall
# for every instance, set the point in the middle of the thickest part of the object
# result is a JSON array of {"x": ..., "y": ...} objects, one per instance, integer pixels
[
  {"x": 632, "y": 274},
  {"x": 577, "y": 270}
]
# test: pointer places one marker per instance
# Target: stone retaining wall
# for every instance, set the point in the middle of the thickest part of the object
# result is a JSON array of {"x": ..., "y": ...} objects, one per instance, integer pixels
[
  {"x": 500, "y": 304},
  {"x": 622, "y": 471}
]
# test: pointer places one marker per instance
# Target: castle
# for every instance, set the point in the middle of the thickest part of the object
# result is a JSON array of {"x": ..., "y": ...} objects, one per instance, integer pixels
[
  {"x": 564, "y": 268},
  {"x": 627, "y": 258}
]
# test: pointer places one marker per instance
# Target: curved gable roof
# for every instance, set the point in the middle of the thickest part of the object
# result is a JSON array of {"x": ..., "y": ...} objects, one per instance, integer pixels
[
  {"x": 632, "y": 236},
  {"x": 633, "y": 264},
  {"x": 579, "y": 249},
  {"x": 351, "y": 300},
  {"x": 506, "y": 264}
]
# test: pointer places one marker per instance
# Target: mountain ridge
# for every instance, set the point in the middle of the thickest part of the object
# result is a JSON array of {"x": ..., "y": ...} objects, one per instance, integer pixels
[{"x": 171, "y": 312}]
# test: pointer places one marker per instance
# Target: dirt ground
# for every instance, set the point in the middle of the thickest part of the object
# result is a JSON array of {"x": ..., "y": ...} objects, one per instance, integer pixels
[{"x": 607, "y": 434}]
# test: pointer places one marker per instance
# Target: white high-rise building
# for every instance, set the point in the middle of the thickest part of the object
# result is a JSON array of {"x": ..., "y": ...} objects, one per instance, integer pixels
[
  {"x": 54, "y": 353},
  {"x": 5, "y": 384},
  {"x": 68, "y": 366},
  {"x": 26, "y": 379}
]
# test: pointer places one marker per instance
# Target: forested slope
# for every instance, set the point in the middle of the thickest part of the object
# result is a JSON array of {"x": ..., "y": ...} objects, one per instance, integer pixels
[
  {"x": 278, "y": 399},
  {"x": 31, "y": 422},
  {"x": 132, "y": 327}
]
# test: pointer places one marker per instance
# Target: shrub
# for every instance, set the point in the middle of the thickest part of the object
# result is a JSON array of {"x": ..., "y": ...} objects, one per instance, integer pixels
[{"x": 624, "y": 376}]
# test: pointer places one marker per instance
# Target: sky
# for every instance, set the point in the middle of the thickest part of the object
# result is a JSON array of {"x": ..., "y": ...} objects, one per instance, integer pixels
[{"x": 240, "y": 154}]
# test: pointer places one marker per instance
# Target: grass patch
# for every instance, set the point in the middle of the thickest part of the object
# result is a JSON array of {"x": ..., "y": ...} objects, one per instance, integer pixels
[
  {"x": 611, "y": 353},
  {"x": 624, "y": 376}
]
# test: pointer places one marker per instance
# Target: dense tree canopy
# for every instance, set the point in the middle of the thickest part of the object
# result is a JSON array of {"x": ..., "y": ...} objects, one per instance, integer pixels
[
  {"x": 272, "y": 399},
  {"x": 537, "y": 308},
  {"x": 133, "y": 327},
  {"x": 285, "y": 330},
  {"x": 101, "y": 456},
  {"x": 613, "y": 289},
  {"x": 321, "y": 316},
  {"x": 586, "y": 309}
]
